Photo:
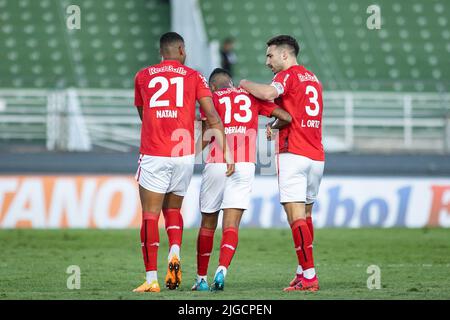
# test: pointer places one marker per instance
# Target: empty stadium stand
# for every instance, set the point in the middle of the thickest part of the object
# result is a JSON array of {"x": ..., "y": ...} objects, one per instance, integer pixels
[
  {"x": 116, "y": 39},
  {"x": 384, "y": 90},
  {"x": 411, "y": 51}
]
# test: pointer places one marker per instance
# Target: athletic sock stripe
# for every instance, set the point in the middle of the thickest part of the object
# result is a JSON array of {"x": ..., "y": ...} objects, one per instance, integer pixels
[
  {"x": 173, "y": 227},
  {"x": 303, "y": 251},
  {"x": 229, "y": 247}
]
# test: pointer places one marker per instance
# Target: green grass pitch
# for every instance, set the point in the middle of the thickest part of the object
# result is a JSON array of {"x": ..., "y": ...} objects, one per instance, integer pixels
[{"x": 414, "y": 264}]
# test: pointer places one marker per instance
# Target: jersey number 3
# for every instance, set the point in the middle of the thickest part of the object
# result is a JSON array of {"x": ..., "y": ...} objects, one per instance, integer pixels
[
  {"x": 309, "y": 110},
  {"x": 178, "y": 82}
]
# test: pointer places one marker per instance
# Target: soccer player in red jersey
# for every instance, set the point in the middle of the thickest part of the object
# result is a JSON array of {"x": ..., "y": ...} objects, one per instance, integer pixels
[
  {"x": 165, "y": 97},
  {"x": 300, "y": 158},
  {"x": 239, "y": 112}
]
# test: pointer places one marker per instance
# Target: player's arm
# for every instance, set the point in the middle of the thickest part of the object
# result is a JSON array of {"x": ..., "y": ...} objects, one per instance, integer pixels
[
  {"x": 214, "y": 122},
  {"x": 138, "y": 101},
  {"x": 202, "y": 142},
  {"x": 261, "y": 91},
  {"x": 282, "y": 120}
]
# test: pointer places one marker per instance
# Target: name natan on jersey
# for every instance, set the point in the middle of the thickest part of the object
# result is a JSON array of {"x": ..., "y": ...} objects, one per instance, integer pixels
[{"x": 168, "y": 93}]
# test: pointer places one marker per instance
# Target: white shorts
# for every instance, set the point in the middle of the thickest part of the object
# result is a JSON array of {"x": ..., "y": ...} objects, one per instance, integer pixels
[
  {"x": 165, "y": 174},
  {"x": 298, "y": 178},
  {"x": 218, "y": 191}
]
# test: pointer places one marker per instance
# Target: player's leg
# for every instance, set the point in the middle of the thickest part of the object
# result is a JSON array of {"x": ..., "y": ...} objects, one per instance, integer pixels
[
  {"x": 151, "y": 207},
  {"x": 230, "y": 238},
  {"x": 293, "y": 173},
  {"x": 173, "y": 221},
  {"x": 181, "y": 174},
  {"x": 309, "y": 280},
  {"x": 309, "y": 221},
  {"x": 153, "y": 178},
  {"x": 299, "y": 272},
  {"x": 296, "y": 213},
  {"x": 205, "y": 242},
  {"x": 236, "y": 199},
  {"x": 314, "y": 178},
  {"x": 211, "y": 195}
]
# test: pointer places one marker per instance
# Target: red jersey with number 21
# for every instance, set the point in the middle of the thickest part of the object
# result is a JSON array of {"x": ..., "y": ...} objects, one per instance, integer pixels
[
  {"x": 300, "y": 94},
  {"x": 168, "y": 92}
]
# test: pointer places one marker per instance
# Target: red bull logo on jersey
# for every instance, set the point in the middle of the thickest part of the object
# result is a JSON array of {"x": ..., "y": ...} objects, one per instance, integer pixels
[
  {"x": 155, "y": 70},
  {"x": 307, "y": 77}
]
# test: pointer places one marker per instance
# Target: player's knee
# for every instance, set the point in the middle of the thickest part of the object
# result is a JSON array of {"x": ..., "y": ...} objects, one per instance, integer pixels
[
  {"x": 151, "y": 208},
  {"x": 308, "y": 211},
  {"x": 230, "y": 223},
  {"x": 209, "y": 221}
]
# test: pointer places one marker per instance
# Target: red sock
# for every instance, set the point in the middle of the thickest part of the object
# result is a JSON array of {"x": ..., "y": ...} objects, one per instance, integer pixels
[
  {"x": 150, "y": 240},
  {"x": 303, "y": 243},
  {"x": 228, "y": 246},
  {"x": 174, "y": 226},
  {"x": 205, "y": 242},
  {"x": 310, "y": 227}
]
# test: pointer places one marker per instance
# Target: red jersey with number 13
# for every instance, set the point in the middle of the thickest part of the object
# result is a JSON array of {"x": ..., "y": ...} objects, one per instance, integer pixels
[
  {"x": 168, "y": 92},
  {"x": 300, "y": 94},
  {"x": 239, "y": 112}
]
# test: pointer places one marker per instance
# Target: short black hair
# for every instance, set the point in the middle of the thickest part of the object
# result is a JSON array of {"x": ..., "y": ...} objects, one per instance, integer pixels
[
  {"x": 218, "y": 71},
  {"x": 169, "y": 38},
  {"x": 285, "y": 40}
]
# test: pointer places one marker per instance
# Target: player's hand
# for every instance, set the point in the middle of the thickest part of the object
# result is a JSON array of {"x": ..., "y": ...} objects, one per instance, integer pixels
[
  {"x": 230, "y": 169},
  {"x": 269, "y": 131}
]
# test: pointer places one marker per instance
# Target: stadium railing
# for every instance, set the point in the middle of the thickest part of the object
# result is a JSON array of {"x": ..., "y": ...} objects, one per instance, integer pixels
[{"x": 84, "y": 119}]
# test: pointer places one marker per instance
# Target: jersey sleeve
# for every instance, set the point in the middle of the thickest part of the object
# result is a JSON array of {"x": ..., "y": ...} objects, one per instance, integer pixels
[
  {"x": 280, "y": 82},
  {"x": 138, "y": 101},
  {"x": 265, "y": 108},
  {"x": 202, "y": 88}
]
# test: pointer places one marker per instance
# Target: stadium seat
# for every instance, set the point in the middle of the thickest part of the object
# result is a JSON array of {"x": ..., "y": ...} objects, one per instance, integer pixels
[
  {"x": 409, "y": 53},
  {"x": 115, "y": 40}
]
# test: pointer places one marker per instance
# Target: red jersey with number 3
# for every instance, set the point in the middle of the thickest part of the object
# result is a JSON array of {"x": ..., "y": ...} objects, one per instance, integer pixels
[
  {"x": 300, "y": 94},
  {"x": 239, "y": 112},
  {"x": 168, "y": 93}
]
